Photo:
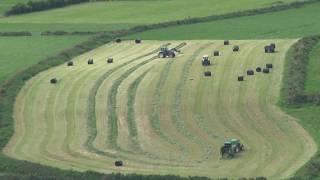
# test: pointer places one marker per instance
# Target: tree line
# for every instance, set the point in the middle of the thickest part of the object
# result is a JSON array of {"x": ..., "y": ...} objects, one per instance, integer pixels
[{"x": 32, "y": 6}]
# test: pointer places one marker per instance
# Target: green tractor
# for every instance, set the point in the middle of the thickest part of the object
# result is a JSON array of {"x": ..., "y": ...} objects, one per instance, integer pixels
[
  {"x": 230, "y": 148},
  {"x": 165, "y": 52}
]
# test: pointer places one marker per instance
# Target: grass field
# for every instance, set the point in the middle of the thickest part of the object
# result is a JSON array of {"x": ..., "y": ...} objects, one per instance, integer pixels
[
  {"x": 295, "y": 23},
  {"x": 161, "y": 116},
  {"x": 312, "y": 80},
  {"x": 31, "y": 50},
  {"x": 120, "y": 14}
]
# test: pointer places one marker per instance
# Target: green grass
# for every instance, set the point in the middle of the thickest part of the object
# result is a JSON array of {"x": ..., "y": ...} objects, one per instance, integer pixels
[
  {"x": 37, "y": 28},
  {"x": 312, "y": 84},
  {"x": 18, "y": 53},
  {"x": 119, "y": 14},
  {"x": 293, "y": 23}
]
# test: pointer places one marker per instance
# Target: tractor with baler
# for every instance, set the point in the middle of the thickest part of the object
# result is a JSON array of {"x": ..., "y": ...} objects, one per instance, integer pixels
[
  {"x": 230, "y": 148},
  {"x": 167, "y": 53}
]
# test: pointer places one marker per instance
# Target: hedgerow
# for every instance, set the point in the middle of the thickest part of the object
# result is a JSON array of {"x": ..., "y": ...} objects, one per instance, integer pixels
[{"x": 297, "y": 61}]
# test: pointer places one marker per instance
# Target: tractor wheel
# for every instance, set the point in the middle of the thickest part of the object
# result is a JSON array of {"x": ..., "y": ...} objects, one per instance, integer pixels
[
  {"x": 230, "y": 155},
  {"x": 237, "y": 150},
  {"x": 161, "y": 55},
  {"x": 172, "y": 55},
  {"x": 241, "y": 147}
]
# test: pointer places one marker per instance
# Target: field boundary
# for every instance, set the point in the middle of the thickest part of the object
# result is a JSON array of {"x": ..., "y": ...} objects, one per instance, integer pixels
[
  {"x": 16, "y": 33},
  {"x": 293, "y": 92},
  {"x": 297, "y": 60}
]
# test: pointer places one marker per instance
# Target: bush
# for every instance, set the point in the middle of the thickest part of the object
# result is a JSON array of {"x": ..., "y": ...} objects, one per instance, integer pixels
[
  {"x": 65, "y": 33},
  {"x": 21, "y": 33}
]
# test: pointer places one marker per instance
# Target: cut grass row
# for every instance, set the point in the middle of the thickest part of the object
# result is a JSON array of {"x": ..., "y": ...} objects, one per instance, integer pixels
[
  {"x": 176, "y": 110},
  {"x": 154, "y": 116},
  {"x": 133, "y": 133}
]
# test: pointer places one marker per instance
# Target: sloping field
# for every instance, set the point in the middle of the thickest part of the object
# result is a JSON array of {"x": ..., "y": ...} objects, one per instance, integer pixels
[
  {"x": 292, "y": 23},
  {"x": 161, "y": 116},
  {"x": 32, "y": 49},
  {"x": 111, "y": 15}
]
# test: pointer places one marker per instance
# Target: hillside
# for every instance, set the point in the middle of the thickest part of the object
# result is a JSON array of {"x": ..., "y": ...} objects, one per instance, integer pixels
[
  {"x": 294, "y": 23},
  {"x": 103, "y": 16},
  {"x": 161, "y": 117},
  {"x": 151, "y": 112}
]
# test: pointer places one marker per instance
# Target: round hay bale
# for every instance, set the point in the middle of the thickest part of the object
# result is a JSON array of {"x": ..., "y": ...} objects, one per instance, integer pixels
[
  {"x": 250, "y": 72},
  {"x": 118, "y": 163},
  {"x": 258, "y": 69},
  {"x": 118, "y": 40},
  {"x": 70, "y": 63},
  {"x": 207, "y": 73},
  {"x": 236, "y": 48},
  {"x": 54, "y": 81},
  {"x": 138, "y": 41},
  {"x": 216, "y": 53},
  {"x": 90, "y": 61},
  {"x": 269, "y": 66},
  {"x": 226, "y": 42},
  {"x": 266, "y": 70},
  {"x": 240, "y": 78},
  {"x": 110, "y": 60}
]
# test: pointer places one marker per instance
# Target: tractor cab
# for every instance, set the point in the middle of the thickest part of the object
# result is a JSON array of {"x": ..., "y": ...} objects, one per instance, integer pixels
[
  {"x": 227, "y": 144},
  {"x": 165, "y": 52},
  {"x": 205, "y": 60},
  {"x": 231, "y": 147}
]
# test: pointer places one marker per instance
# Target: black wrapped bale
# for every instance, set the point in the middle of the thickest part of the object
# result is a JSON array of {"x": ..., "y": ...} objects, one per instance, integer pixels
[
  {"x": 110, "y": 60},
  {"x": 54, "y": 81},
  {"x": 70, "y": 63},
  {"x": 250, "y": 72},
  {"x": 258, "y": 69},
  {"x": 118, "y": 163},
  {"x": 240, "y": 78},
  {"x": 226, "y": 42},
  {"x": 266, "y": 70},
  {"x": 118, "y": 40},
  {"x": 236, "y": 48},
  {"x": 138, "y": 41},
  {"x": 207, "y": 73},
  {"x": 90, "y": 61},
  {"x": 269, "y": 66},
  {"x": 216, "y": 53}
]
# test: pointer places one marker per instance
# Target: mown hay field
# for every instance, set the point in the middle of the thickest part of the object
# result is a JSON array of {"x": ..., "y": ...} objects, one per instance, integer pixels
[{"x": 161, "y": 116}]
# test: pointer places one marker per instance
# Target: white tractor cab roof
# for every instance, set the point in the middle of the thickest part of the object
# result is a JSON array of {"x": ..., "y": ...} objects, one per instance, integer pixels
[{"x": 205, "y": 57}]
